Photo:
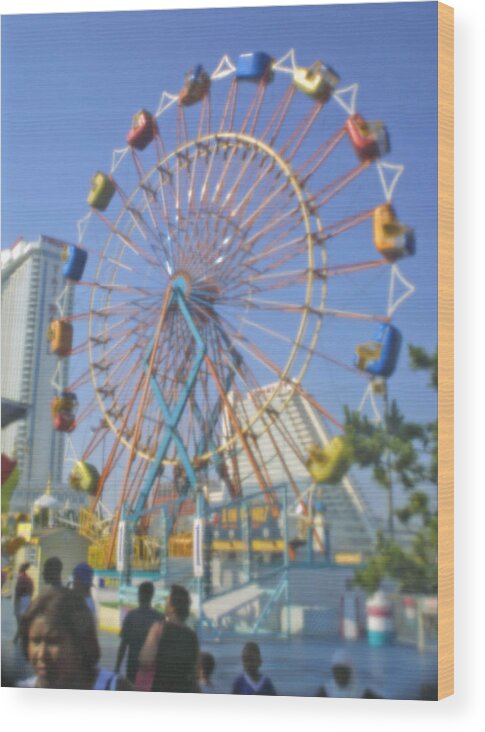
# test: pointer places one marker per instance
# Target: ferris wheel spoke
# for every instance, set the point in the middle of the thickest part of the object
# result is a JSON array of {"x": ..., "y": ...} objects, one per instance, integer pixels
[
  {"x": 125, "y": 338},
  {"x": 201, "y": 146},
  {"x": 317, "y": 159},
  {"x": 158, "y": 213},
  {"x": 242, "y": 438},
  {"x": 165, "y": 182},
  {"x": 149, "y": 194},
  {"x": 127, "y": 241},
  {"x": 237, "y": 271},
  {"x": 273, "y": 223},
  {"x": 125, "y": 269},
  {"x": 181, "y": 126},
  {"x": 256, "y": 282},
  {"x": 98, "y": 437},
  {"x": 204, "y": 188},
  {"x": 279, "y": 116},
  {"x": 315, "y": 352},
  {"x": 111, "y": 460},
  {"x": 268, "y": 416},
  {"x": 249, "y": 195},
  {"x": 122, "y": 343},
  {"x": 218, "y": 188},
  {"x": 267, "y": 201},
  {"x": 298, "y": 136},
  {"x": 227, "y": 118},
  {"x": 129, "y": 208},
  {"x": 299, "y": 276},
  {"x": 343, "y": 225},
  {"x": 287, "y": 307},
  {"x": 136, "y": 480},
  {"x": 118, "y": 408},
  {"x": 144, "y": 393},
  {"x": 265, "y": 360},
  {"x": 80, "y": 381},
  {"x": 272, "y": 424},
  {"x": 226, "y": 203},
  {"x": 241, "y": 261},
  {"x": 114, "y": 287},
  {"x": 254, "y": 109},
  {"x": 115, "y": 453},
  {"x": 154, "y": 238},
  {"x": 130, "y": 308},
  {"x": 325, "y": 194},
  {"x": 277, "y": 245},
  {"x": 87, "y": 411},
  {"x": 103, "y": 336}
]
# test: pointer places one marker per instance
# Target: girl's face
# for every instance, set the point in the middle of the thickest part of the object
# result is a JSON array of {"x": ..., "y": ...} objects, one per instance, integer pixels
[{"x": 51, "y": 655}]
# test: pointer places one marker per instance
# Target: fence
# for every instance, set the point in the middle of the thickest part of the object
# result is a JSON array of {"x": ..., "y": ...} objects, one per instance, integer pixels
[{"x": 416, "y": 620}]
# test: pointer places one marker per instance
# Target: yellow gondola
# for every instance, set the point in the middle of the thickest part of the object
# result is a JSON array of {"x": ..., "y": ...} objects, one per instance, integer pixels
[
  {"x": 329, "y": 464},
  {"x": 391, "y": 238},
  {"x": 102, "y": 191},
  {"x": 84, "y": 477},
  {"x": 60, "y": 337},
  {"x": 318, "y": 81}
]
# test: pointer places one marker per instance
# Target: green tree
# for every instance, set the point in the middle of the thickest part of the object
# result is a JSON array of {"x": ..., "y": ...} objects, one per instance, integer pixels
[
  {"x": 391, "y": 449},
  {"x": 423, "y": 361}
]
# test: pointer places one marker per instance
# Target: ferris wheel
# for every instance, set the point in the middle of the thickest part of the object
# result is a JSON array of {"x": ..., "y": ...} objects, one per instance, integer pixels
[{"x": 212, "y": 258}]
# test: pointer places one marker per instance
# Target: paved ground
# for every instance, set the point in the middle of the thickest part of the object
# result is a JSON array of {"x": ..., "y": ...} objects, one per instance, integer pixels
[{"x": 296, "y": 667}]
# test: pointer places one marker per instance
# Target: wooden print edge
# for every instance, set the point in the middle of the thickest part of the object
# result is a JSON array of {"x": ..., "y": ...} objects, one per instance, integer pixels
[{"x": 445, "y": 353}]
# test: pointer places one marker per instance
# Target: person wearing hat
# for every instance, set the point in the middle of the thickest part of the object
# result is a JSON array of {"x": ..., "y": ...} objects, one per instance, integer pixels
[
  {"x": 82, "y": 582},
  {"x": 344, "y": 682},
  {"x": 24, "y": 589}
]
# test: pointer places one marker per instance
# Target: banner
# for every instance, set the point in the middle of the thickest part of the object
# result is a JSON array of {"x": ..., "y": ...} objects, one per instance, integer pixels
[
  {"x": 198, "y": 537},
  {"x": 120, "y": 547}
]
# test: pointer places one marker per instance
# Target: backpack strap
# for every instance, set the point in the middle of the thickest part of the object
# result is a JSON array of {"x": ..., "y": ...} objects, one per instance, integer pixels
[
  {"x": 106, "y": 680},
  {"x": 111, "y": 682}
]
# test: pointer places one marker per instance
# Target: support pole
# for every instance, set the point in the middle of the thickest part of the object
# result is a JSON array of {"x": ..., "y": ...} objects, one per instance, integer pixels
[
  {"x": 163, "y": 542},
  {"x": 244, "y": 511},
  {"x": 286, "y": 562}
]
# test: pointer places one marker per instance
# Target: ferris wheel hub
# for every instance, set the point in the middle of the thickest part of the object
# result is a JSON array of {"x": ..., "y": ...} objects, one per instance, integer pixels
[{"x": 182, "y": 283}]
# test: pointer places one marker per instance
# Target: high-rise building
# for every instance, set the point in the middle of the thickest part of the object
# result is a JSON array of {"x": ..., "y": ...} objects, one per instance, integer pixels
[
  {"x": 279, "y": 442},
  {"x": 32, "y": 281}
]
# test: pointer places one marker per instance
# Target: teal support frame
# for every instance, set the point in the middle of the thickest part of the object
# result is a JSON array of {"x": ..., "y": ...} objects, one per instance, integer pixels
[{"x": 171, "y": 417}]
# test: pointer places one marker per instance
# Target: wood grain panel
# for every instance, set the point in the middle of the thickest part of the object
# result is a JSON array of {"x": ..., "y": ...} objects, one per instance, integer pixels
[{"x": 445, "y": 352}]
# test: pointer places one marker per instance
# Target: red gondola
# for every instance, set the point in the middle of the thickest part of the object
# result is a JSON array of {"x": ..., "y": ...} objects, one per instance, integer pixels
[
  {"x": 143, "y": 130},
  {"x": 370, "y": 140}
]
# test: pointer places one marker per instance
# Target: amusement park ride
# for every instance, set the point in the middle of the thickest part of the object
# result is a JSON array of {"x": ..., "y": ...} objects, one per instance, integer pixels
[{"x": 216, "y": 275}]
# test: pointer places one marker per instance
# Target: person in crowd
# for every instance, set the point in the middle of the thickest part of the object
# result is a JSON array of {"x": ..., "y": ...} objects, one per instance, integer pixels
[
  {"x": 24, "y": 589},
  {"x": 52, "y": 572},
  {"x": 82, "y": 576},
  {"x": 59, "y": 640},
  {"x": 207, "y": 664},
  {"x": 252, "y": 680},
  {"x": 135, "y": 630},
  {"x": 344, "y": 682},
  {"x": 172, "y": 649}
]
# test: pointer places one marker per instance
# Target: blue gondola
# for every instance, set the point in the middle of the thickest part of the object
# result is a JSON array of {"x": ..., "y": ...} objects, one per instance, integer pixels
[
  {"x": 379, "y": 357},
  {"x": 254, "y": 66},
  {"x": 75, "y": 262}
]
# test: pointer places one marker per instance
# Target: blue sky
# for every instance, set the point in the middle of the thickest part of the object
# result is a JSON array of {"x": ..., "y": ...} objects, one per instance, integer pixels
[{"x": 70, "y": 84}]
